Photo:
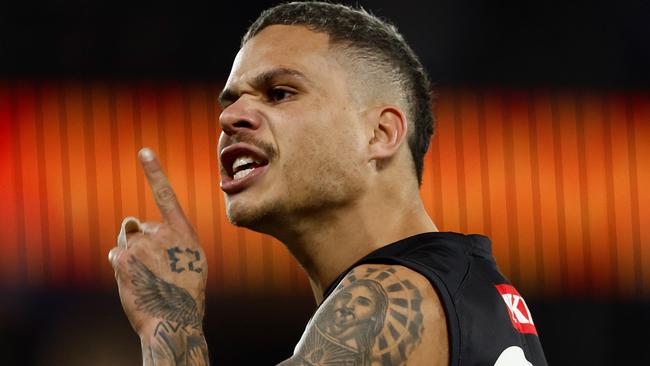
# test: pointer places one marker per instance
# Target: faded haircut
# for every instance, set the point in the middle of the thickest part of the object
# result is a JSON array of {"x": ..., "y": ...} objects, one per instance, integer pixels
[{"x": 381, "y": 48}]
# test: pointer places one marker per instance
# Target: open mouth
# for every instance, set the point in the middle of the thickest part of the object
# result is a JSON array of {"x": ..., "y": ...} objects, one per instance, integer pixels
[
  {"x": 243, "y": 166},
  {"x": 241, "y": 163}
]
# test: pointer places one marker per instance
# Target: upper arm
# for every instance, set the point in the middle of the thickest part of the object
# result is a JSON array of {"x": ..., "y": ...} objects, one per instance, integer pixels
[{"x": 379, "y": 314}]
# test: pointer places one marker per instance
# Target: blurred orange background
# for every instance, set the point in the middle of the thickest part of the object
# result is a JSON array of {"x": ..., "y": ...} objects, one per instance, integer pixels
[
  {"x": 554, "y": 176},
  {"x": 544, "y": 127}
]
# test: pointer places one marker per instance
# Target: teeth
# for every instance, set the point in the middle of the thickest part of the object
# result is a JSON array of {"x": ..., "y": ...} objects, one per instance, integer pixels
[
  {"x": 242, "y": 160},
  {"x": 242, "y": 173}
]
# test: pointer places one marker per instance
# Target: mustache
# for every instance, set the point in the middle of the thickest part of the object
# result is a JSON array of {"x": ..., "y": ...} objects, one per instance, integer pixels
[{"x": 268, "y": 149}]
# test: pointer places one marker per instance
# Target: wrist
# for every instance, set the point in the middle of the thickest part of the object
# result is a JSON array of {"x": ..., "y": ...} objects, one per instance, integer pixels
[{"x": 163, "y": 340}]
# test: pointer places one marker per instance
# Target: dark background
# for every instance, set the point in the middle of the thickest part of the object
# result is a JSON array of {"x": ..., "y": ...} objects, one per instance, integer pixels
[
  {"x": 592, "y": 43},
  {"x": 67, "y": 327},
  {"x": 597, "y": 45}
]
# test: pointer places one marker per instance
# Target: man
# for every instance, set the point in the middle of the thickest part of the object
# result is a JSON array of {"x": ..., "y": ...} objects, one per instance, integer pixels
[{"x": 326, "y": 119}]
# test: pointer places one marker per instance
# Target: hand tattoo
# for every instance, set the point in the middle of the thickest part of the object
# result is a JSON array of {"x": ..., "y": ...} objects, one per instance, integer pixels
[
  {"x": 191, "y": 255},
  {"x": 178, "y": 345},
  {"x": 161, "y": 298},
  {"x": 178, "y": 338},
  {"x": 372, "y": 318}
]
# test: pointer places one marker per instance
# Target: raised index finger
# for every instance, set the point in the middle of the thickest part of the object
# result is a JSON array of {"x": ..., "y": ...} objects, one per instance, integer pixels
[{"x": 163, "y": 193}]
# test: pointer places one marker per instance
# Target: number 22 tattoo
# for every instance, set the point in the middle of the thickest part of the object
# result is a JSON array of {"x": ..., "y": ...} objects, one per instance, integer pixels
[{"x": 176, "y": 254}]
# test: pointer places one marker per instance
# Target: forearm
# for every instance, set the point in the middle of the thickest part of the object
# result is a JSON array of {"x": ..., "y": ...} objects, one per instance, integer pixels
[{"x": 172, "y": 345}]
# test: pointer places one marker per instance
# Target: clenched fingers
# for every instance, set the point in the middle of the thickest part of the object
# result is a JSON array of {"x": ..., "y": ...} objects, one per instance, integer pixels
[{"x": 114, "y": 256}]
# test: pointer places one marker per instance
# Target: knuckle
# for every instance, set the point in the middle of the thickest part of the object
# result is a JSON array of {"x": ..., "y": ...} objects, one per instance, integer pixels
[
  {"x": 118, "y": 260},
  {"x": 165, "y": 194},
  {"x": 112, "y": 255},
  {"x": 150, "y": 227}
]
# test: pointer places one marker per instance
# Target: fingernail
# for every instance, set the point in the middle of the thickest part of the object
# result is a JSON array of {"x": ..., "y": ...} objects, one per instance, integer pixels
[{"x": 146, "y": 154}]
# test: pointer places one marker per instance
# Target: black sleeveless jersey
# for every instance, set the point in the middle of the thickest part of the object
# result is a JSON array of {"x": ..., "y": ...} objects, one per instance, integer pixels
[{"x": 488, "y": 321}]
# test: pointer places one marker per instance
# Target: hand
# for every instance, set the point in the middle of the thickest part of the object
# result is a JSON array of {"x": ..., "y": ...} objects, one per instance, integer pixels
[{"x": 161, "y": 274}]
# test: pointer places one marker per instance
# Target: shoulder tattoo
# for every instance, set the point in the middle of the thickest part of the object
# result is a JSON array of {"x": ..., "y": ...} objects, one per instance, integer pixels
[{"x": 373, "y": 317}]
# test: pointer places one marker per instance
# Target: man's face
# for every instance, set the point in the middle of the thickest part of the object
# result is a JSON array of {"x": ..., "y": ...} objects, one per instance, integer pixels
[
  {"x": 353, "y": 307},
  {"x": 293, "y": 143}
]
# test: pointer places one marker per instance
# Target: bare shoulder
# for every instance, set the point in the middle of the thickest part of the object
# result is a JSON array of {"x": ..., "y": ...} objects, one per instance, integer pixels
[{"x": 379, "y": 314}]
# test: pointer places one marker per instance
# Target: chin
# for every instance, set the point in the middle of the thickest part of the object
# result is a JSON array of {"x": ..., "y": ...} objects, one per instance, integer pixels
[{"x": 250, "y": 215}]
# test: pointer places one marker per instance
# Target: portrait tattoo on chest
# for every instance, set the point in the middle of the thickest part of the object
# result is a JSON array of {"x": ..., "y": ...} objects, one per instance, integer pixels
[{"x": 372, "y": 318}]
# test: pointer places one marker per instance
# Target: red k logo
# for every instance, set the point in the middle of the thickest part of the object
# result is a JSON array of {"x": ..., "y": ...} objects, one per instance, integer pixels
[{"x": 520, "y": 316}]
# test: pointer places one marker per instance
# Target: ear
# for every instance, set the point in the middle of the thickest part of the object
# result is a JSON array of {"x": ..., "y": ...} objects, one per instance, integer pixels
[{"x": 390, "y": 129}]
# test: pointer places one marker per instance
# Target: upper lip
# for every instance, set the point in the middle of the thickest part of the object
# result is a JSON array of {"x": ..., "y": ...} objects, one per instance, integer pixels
[{"x": 228, "y": 155}]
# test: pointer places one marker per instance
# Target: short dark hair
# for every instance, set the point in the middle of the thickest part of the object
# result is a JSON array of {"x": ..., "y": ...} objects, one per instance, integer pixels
[{"x": 379, "y": 44}]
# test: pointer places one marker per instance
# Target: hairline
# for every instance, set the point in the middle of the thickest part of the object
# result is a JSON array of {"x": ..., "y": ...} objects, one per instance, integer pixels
[
  {"x": 394, "y": 62},
  {"x": 347, "y": 48}
]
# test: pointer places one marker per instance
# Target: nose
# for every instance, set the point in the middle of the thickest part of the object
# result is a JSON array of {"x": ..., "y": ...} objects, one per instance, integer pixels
[{"x": 238, "y": 117}]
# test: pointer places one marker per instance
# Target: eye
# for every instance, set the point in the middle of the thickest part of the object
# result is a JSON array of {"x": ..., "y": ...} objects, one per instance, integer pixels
[
  {"x": 278, "y": 94},
  {"x": 363, "y": 301}
]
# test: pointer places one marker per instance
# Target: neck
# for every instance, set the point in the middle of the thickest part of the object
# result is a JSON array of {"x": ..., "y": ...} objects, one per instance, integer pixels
[{"x": 328, "y": 244}]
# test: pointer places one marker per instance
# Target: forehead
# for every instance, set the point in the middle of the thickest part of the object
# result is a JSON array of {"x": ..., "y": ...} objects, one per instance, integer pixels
[
  {"x": 360, "y": 290},
  {"x": 286, "y": 46}
]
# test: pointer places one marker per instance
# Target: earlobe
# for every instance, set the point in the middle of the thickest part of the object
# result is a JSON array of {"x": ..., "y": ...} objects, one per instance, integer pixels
[{"x": 389, "y": 133}]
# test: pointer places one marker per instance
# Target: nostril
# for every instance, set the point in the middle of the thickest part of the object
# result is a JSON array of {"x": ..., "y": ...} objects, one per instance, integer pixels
[{"x": 242, "y": 124}]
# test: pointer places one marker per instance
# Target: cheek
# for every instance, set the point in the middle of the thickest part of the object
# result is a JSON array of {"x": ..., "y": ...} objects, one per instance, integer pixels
[
  {"x": 321, "y": 158},
  {"x": 364, "y": 311},
  {"x": 322, "y": 148},
  {"x": 308, "y": 149},
  {"x": 335, "y": 143}
]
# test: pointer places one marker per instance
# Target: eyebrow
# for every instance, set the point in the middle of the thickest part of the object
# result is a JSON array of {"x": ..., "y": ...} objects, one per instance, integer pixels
[{"x": 259, "y": 81}]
